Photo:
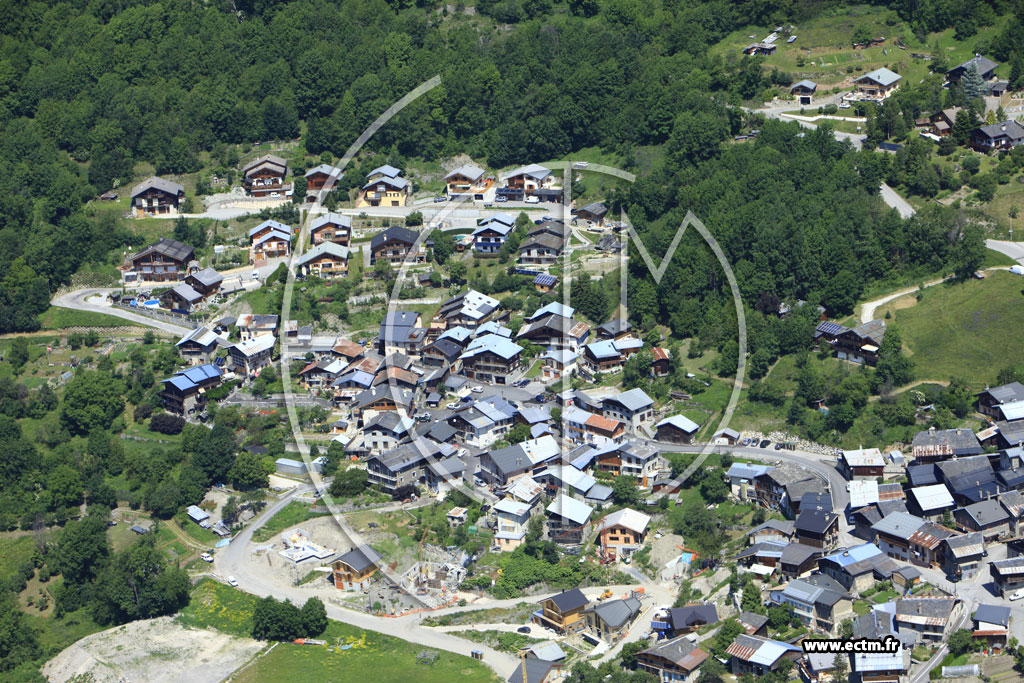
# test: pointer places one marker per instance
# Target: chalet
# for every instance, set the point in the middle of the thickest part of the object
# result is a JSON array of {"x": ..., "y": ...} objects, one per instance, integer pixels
[
  {"x": 206, "y": 281},
  {"x": 254, "y": 325},
  {"x": 270, "y": 239},
  {"x": 181, "y": 298},
  {"x": 1008, "y": 575},
  {"x": 249, "y": 357},
  {"x": 554, "y": 328},
  {"x": 819, "y": 601},
  {"x": 199, "y": 346},
  {"x": 381, "y": 398},
  {"x": 905, "y": 537},
  {"x": 622, "y": 533},
  {"x": 403, "y": 466},
  {"x": 164, "y": 261},
  {"x": 992, "y": 624},
  {"x": 985, "y": 67},
  {"x": 385, "y": 431},
  {"x": 513, "y": 517},
  {"x": 941, "y": 444},
  {"x": 400, "y": 332},
  {"x": 469, "y": 310},
  {"x": 504, "y": 466},
  {"x": 741, "y": 479},
  {"x": 962, "y": 555},
  {"x": 441, "y": 353},
  {"x": 385, "y": 186},
  {"x": 563, "y": 613},
  {"x": 1013, "y": 503},
  {"x": 616, "y": 328},
  {"x": 862, "y": 343},
  {"x": 770, "y": 487},
  {"x": 857, "y": 568},
  {"x": 817, "y": 528},
  {"x": 759, "y": 656},
  {"x": 726, "y": 437},
  {"x": 396, "y": 246},
  {"x": 443, "y": 476},
  {"x": 183, "y": 393},
  {"x": 331, "y": 227},
  {"x": 483, "y": 422},
  {"x": 319, "y": 373},
  {"x": 931, "y": 502},
  {"x": 880, "y": 667},
  {"x": 558, "y": 364},
  {"x": 326, "y": 260},
  {"x": 676, "y": 429},
  {"x": 986, "y": 516},
  {"x": 997, "y": 136},
  {"x": 542, "y": 250},
  {"x": 677, "y": 621},
  {"x": 265, "y": 176},
  {"x": 529, "y": 181},
  {"x": 491, "y": 358},
  {"x": 491, "y": 233},
  {"x": 609, "y": 356},
  {"x": 942, "y": 121},
  {"x": 157, "y": 197},
  {"x": 930, "y": 619},
  {"x": 773, "y": 531},
  {"x": 583, "y": 427},
  {"x": 866, "y": 463},
  {"x": 661, "y": 366},
  {"x": 568, "y": 520},
  {"x": 1009, "y": 434},
  {"x": 633, "y": 459},
  {"x": 803, "y": 91},
  {"x": 990, "y": 399},
  {"x": 610, "y": 620},
  {"x": 877, "y": 85},
  {"x": 465, "y": 182},
  {"x": 317, "y": 177},
  {"x": 676, "y": 661},
  {"x": 535, "y": 670},
  {"x": 592, "y": 213},
  {"x": 633, "y": 408},
  {"x": 353, "y": 570}
]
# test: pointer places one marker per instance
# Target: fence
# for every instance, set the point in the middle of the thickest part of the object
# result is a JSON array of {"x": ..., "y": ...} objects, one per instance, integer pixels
[{"x": 164, "y": 316}]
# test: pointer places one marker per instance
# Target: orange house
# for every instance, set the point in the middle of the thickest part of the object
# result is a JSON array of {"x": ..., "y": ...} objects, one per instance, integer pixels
[
  {"x": 353, "y": 570},
  {"x": 622, "y": 533},
  {"x": 563, "y": 612}
]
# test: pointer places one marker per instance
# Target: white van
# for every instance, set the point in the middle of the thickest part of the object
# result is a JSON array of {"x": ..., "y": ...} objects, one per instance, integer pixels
[{"x": 533, "y": 199}]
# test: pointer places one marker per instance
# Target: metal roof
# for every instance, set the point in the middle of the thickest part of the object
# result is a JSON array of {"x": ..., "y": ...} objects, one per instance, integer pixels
[
  {"x": 680, "y": 422},
  {"x": 630, "y": 519},
  {"x": 882, "y": 76},
  {"x": 633, "y": 400},
  {"x": 863, "y": 492},
  {"x": 934, "y": 497},
  {"x": 899, "y": 524},
  {"x": 325, "y": 249},
  {"x": 571, "y": 509},
  {"x": 158, "y": 183}
]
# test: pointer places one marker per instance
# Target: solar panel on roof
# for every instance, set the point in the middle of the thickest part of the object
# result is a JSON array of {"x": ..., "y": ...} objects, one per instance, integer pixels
[
  {"x": 545, "y": 280},
  {"x": 830, "y": 327}
]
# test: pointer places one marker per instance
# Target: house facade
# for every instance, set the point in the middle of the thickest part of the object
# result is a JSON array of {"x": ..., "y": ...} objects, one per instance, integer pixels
[
  {"x": 264, "y": 177},
  {"x": 157, "y": 197},
  {"x": 163, "y": 261}
]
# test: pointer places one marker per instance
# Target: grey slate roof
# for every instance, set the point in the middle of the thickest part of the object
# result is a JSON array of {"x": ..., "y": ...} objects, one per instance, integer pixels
[
  {"x": 692, "y": 615},
  {"x": 161, "y": 184},
  {"x": 395, "y": 233},
  {"x": 208, "y": 277},
  {"x": 569, "y": 600},
  {"x": 993, "y": 614},
  {"x": 360, "y": 557},
  {"x": 962, "y": 441},
  {"x": 618, "y": 613}
]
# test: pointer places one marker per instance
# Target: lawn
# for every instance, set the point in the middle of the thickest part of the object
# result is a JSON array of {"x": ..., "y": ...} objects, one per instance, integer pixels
[
  {"x": 503, "y": 641},
  {"x": 369, "y": 655},
  {"x": 962, "y": 330},
  {"x": 292, "y": 514},
  {"x": 56, "y": 318}
]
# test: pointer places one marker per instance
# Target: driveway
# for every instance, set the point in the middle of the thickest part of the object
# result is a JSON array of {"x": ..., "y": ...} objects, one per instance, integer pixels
[
  {"x": 890, "y": 197},
  {"x": 1014, "y": 250},
  {"x": 95, "y": 301}
]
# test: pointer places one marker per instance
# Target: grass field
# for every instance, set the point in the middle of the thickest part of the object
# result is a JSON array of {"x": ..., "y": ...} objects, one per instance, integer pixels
[
  {"x": 292, "y": 514},
  {"x": 369, "y": 655},
  {"x": 55, "y": 318},
  {"x": 964, "y": 330}
]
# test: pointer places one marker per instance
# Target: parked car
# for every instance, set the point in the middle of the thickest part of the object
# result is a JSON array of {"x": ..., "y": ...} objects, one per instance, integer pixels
[
  {"x": 1017, "y": 594},
  {"x": 844, "y": 105},
  {"x": 438, "y": 200},
  {"x": 581, "y": 164},
  {"x": 232, "y": 581},
  {"x": 206, "y": 557},
  {"x": 765, "y": 443},
  {"x": 477, "y": 390},
  {"x": 488, "y": 205},
  {"x": 255, "y": 275},
  {"x": 532, "y": 199},
  {"x": 523, "y": 629},
  {"x": 501, "y": 199}
]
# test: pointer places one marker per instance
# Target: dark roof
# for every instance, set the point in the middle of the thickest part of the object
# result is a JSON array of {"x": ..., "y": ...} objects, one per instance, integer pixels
[
  {"x": 798, "y": 553},
  {"x": 208, "y": 277},
  {"x": 157, "y": 183},
  {"x": 174, "y": 249},
  {"x": 816, "y": 500},
  {"x": 693, "y": 615},
  {"x": 569, "y": 600},
  {"x": 962, "y": 441},
  {"x": 395, "y": 233},
  {"x": 618, "y": 613},
  {"x": 1009, "y": 128},
  {"x": 360, "y": 558},
  {"x": 615, "y": 326},
  {"x": 536, "y": 671},
  {"x": 983, "y": 65},
  {"x": 993, "y": 614},
  {"x": 922, "y": 475},
  {"x": 752, "y": 621}
]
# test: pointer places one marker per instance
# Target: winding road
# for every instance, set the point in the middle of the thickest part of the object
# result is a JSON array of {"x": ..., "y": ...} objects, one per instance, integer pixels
[{"x": 79, "y": 300}]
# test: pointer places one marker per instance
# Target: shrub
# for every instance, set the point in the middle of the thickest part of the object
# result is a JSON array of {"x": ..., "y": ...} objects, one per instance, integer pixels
[{"x": 166, "y": 423}]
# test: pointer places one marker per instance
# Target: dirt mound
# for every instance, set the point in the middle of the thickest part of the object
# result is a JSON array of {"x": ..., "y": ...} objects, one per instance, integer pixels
[{"x": 152, "y": 650}]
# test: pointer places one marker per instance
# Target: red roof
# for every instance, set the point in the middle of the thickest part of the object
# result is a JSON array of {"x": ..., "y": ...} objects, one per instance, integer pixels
[{"x": 660, "y": 353}]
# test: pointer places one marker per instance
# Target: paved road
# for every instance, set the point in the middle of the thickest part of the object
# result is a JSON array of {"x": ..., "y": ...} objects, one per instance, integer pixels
[
  {"x": 229, "y": 561},
  {"x": 79, "y": 301},
  {"x": 1014, "y": 250},
  {"x": 868, "y": 308},
  {"x": 890, "y": 197}
]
